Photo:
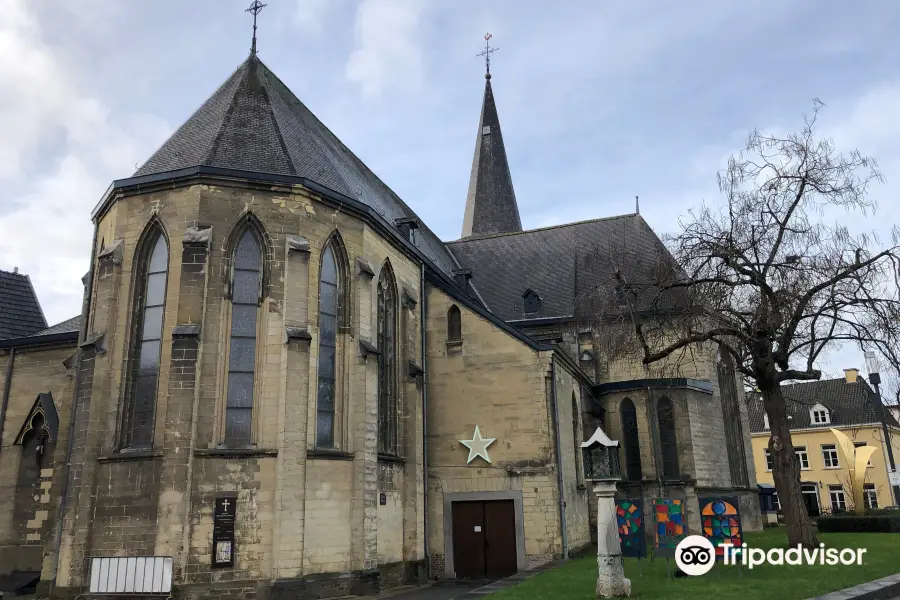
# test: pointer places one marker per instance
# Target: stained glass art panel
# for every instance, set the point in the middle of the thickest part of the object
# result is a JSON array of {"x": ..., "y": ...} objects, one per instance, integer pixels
[
  {"x": 670, "y": 526},
  {"x": 720, "y": 520},
  {"x": 630, "y": 523}
]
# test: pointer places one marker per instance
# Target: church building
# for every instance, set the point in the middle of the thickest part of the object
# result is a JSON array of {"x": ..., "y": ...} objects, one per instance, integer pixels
[{"x": 284, "y": 385}]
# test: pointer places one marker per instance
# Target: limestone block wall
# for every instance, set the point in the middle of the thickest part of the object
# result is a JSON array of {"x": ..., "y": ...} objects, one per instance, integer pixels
[
  {"x": 495, "y": 381},
  {"x": 28, "y": 513},
  {"x": 301, "y": 510},
  {"x": 572, "y": 432}
]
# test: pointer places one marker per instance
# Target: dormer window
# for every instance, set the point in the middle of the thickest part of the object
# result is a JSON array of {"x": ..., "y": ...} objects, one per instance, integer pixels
[
  {"x": 531, "y": 302},
  {"x": 486, "y": 130},
  {"x": 819, "y": 415}
]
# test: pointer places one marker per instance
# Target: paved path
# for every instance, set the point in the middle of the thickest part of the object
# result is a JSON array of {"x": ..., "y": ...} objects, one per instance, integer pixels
[{"x": 463, "y": 590}]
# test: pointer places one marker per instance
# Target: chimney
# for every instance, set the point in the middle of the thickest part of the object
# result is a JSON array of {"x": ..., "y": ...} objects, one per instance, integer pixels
[
  {"x": 406, "y": 226},
  {"x": 462, "y": 277},
  {"x": 15, "y": 269},
  {"x": 850, "y": 375}
]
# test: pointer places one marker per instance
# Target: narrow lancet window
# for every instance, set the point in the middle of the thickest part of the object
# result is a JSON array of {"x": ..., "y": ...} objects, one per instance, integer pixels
[
  {"x": 387, "y": 363},
  {"x": 150, "y": 299},
  {"x": 245, "y": 299}
]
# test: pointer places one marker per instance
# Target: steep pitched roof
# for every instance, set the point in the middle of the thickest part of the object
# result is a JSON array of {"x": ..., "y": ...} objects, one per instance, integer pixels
[
  {"x": 547, "y": 261},
  {"x": 20, "y": 311},
  {"x": 491, "y": 202},
  {"x": 254, "y": 123},
  {"x": 848, "y": 403}
]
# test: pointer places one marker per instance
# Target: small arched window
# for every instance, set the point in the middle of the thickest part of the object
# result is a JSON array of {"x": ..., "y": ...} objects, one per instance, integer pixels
[
  {"x": 531, "y": 302},
  {"x": 665, "y": 418},
  {"x": 332, "y": 287},
  {"x": 152, "y": 264},
  {"x": 387, "y": 362},
  {"x": 246, "y": 292},
  {"x": 454, "y": 324},
  {"x": 630, "y": 442}
]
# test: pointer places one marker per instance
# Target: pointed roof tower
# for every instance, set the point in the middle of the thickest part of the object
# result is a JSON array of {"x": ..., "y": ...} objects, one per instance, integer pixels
[
  {"x": 491, "y": 202},
  {"x": 253, "y": 124}
]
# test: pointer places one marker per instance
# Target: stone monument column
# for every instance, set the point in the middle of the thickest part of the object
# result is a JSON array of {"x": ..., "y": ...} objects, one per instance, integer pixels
[{"x": 611, "y": 580}]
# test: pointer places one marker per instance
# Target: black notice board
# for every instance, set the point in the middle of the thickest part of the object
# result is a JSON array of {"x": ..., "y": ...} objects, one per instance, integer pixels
[{"x": 224, "y": 511}]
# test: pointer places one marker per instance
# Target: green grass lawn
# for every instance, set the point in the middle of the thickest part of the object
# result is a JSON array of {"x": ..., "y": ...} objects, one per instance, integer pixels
[{"x": 650, "y": 581}]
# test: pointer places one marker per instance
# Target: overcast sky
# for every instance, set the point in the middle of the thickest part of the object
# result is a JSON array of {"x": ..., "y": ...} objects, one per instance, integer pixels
[{"x": 599, "y": 101}]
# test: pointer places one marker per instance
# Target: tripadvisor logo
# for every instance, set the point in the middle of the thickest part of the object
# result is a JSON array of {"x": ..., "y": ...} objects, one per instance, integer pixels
[
  {"x": 696, "y": 555},
  {"x": 753, "y": 557}
]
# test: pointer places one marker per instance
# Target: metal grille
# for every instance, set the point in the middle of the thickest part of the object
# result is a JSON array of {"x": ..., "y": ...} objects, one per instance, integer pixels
[
  {"x": 131, "y": 575},
  {"x": 601, "y": 462}
]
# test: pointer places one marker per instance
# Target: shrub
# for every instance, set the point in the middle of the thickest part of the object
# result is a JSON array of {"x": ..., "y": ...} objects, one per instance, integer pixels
[{"x": 874, "y": 523}]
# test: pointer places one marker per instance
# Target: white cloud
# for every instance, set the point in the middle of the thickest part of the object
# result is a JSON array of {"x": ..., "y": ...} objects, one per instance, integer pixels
[
  {"x": 387, "y": 51},
  {"x": 310, "y": 14},
  {"x": 61, "y": 149}
]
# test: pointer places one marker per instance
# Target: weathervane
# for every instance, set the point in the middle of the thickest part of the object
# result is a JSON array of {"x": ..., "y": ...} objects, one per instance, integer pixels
[
  {"x": 255, "y": 9},
  {"x": 488, "y": 50}
]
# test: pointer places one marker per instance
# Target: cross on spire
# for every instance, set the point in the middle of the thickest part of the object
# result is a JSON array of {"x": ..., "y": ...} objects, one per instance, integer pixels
[
  {"x": 255, "y": 9},
  {"x": 488, "y": 50}
]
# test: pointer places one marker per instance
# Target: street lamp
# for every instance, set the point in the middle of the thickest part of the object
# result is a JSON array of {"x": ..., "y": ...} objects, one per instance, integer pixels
[
  {"x": 875, "y": 379},
  {"x": 600, "y": 457}
]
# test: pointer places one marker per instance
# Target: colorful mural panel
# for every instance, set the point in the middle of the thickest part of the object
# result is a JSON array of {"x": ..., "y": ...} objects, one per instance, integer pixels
[
  {"x": 670, "y": 526},
  {"x": 630, "y": 523},
  {"x": 720, "y": 520}
]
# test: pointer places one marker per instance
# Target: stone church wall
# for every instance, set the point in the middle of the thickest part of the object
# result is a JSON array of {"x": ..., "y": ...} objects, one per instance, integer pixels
[
  {"x": 301, "y": 512},
  {"x": 495, "y": 381},
  {"x": 28, "y": 508},
  {"x": 572, "y": 432}
]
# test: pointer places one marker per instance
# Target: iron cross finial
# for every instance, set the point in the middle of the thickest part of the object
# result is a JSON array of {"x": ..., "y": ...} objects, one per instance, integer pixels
[
  {"x": 488, "y": 50},
  {"x": 255, "y": 9}
]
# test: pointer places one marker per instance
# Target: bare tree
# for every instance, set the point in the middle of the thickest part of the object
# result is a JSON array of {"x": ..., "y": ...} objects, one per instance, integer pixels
[{"x": 764, "y": 279}]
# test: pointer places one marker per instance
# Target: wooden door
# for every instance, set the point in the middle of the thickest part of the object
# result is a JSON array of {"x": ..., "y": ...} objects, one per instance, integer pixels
[
  {"x": 468, "y": 540},
  {"x": 484, "y": 539},
  {"x": 500, "y": 539}
]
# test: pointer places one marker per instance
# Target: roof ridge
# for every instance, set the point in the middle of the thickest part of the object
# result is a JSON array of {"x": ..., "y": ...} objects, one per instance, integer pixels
[{"x": 476, "y": 237}]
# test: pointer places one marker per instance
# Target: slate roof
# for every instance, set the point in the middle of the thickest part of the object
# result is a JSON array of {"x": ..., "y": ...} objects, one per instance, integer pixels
[
  {"x": 254, "y": 123},
  {"x": 72, "y": 325},
  {"x": 544, "y": 260},
  {"x": 491, "y": 202},
  {"x": 849, "y": 404},
  {"x": 20, "y": 311}
]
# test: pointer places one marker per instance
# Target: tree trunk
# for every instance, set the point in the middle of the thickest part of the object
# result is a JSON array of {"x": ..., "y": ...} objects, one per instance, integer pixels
[{"x": 786, "y": 471}]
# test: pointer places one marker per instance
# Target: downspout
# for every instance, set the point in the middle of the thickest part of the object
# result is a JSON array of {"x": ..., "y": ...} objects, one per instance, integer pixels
[
  {"x": 423, "y": 311},
  {"x": 6, "y": 387},
  {"x": 82, "y": 335},
  {"x": 559, "y": 476}
]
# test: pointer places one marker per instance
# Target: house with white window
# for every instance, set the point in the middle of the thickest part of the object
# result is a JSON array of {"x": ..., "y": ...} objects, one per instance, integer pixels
[{"x": 848, "y": 404}]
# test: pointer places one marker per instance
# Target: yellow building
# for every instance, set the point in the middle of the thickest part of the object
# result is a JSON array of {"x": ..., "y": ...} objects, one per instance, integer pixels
[{"x": 849, "y": 405}]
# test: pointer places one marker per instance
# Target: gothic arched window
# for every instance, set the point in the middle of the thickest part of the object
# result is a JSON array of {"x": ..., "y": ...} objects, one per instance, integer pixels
[
  {"x": 454, "y": 324},
  {"x": 331, "y": 308},
  {"x": 576, "y": 439},
  {"x": 246, "y": 294},
  {"x": 387, "y": 362},
  {"x": 665, "y": 419},
  {"x": 731, "y": 414},
  {"x": 152, "y": 265},
  {"x": 630, "y": 443}
]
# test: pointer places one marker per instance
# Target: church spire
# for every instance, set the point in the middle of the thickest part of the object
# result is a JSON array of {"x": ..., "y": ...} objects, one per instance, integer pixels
[{"x": 491, "y": 202}]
